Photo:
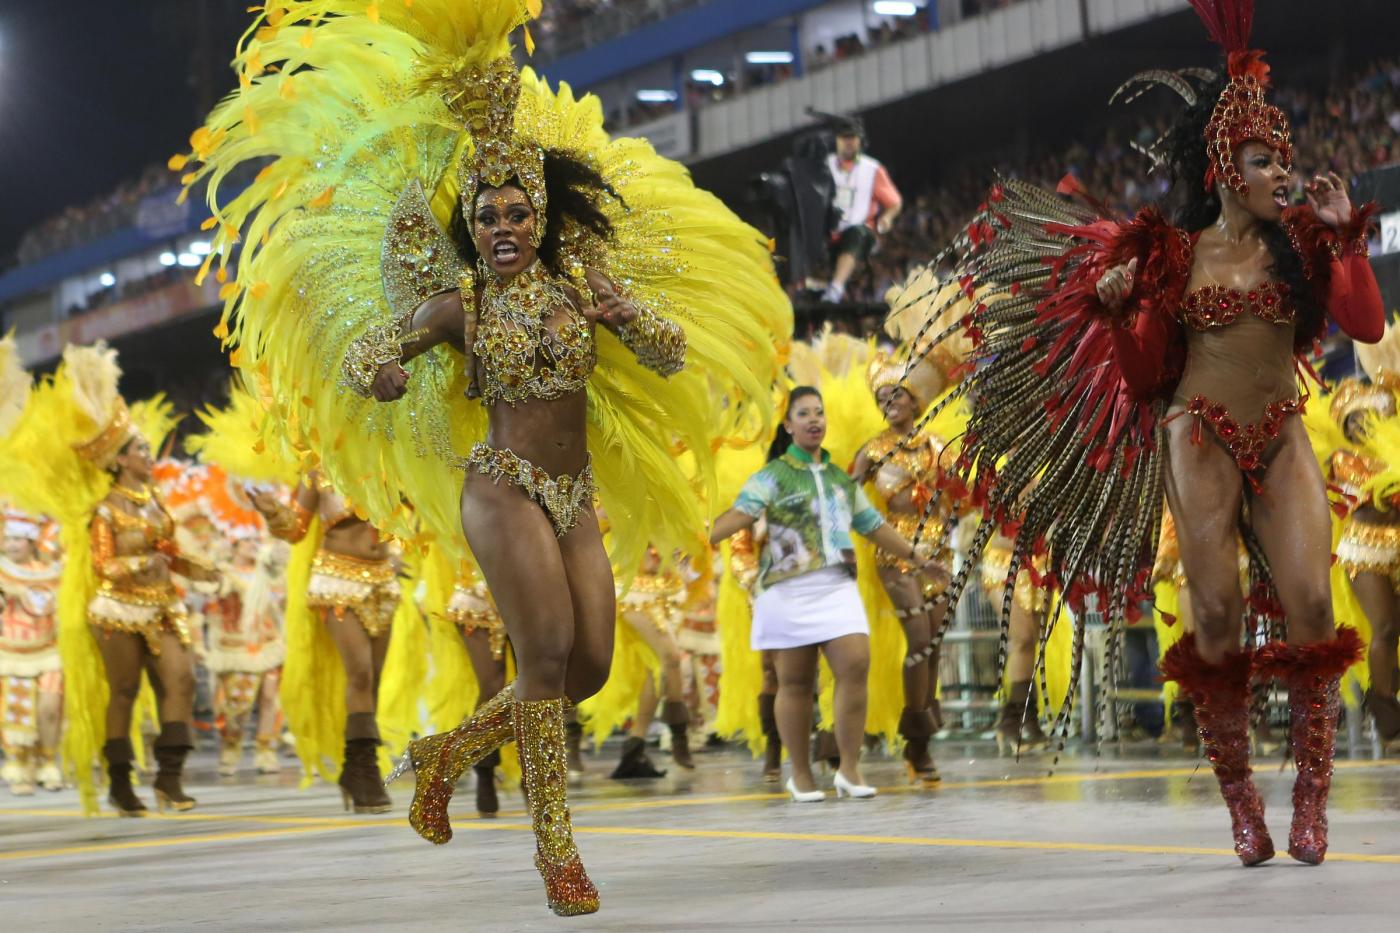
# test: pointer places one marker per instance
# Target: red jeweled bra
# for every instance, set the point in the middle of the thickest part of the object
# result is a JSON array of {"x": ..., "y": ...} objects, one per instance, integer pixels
[{"x": 1219, "y": 305}]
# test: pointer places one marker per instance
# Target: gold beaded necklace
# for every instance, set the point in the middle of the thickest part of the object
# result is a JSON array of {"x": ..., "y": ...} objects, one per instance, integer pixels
[
  {"x": 139, "y": 497},
  {"x": 522, "y": 357}
]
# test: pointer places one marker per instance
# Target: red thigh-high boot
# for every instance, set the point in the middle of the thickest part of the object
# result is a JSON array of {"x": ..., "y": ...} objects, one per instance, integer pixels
[
  {"x": 1311, "y": 673},
  {"x": 1220, "y": 693}
]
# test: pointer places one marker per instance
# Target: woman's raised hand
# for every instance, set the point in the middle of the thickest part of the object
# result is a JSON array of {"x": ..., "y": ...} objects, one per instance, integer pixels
[
  {"x": 1329, "y": 199},
  {"x": 609, "y": 308},
  {"x": 1115, "y": 285}
]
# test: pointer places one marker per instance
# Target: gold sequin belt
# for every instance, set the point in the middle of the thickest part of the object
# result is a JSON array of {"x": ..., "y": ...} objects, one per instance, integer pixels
[
  {"x": 1368, "y": 548},
  {"x": 658, "y": 597},
  {"x": 563, "y": 498},
  {"x": 369, "y": 588}
]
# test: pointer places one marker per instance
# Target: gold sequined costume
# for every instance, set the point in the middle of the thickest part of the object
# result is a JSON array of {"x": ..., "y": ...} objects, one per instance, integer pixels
[
  {"x": 54, "y": 462},
  {"x": 363, "y": 164},
  {"x": 373, "y": 122},
  {"x": 370, "y": 588},
  {"x": 121, "y": 605}
]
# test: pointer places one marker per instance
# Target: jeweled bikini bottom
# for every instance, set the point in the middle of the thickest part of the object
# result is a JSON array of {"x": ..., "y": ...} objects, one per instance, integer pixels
[
  {"x": 563, "y": 498},
  {"x": 1245, "y": 442}
]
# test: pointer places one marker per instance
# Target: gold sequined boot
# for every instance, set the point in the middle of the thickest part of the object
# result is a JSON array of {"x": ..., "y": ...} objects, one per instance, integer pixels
[
  {"x": 439, "y": 760},
  {"x": 539, "y": 736}
]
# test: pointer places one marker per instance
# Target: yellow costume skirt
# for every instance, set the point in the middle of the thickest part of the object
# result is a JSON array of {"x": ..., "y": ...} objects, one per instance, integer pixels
[
  {"x": 1370, "y": 548},
  {"x": 996, "y": 561},
  {"x": 141, "y": 610},
  {"x": 369, "y": 588},
  {"x": 471, "y": 610}
]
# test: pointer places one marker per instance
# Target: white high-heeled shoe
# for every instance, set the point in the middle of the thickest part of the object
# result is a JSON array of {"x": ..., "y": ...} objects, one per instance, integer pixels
[
  {"x": 845, "y": 788},
  {"x": 809, "y": 796}
]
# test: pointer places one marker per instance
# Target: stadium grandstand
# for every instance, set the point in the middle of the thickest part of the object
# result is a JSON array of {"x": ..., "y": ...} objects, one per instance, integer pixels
[{"x": 726, "y": 86}]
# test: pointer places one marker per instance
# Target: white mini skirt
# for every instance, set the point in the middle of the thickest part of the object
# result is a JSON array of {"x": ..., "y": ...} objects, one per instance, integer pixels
[{"x": 809, "y": 609}]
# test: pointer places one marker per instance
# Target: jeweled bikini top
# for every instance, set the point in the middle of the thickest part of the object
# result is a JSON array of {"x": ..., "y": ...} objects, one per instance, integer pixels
[
  {"x": 1212, "y": 306},
  {"x": 521, "y": 356}
]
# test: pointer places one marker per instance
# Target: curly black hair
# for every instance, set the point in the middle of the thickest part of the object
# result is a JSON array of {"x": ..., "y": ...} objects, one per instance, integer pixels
[
  {"x": 1191, "y": 207},
  {"x": 574, "y": 189}
]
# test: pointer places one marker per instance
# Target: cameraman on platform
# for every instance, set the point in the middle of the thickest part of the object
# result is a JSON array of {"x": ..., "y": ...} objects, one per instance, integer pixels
[{"x": 866, "y": 200}]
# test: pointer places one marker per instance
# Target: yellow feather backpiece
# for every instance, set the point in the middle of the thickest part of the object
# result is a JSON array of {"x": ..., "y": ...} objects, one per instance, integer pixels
[
  {"x": 1324, "y": 434},
  {"x": 741, "y": 668},
  {"x": 313, "y": 678},
  {"x": 236, "y": 439},
  {"x": 405, "y": 675},
  {"x": 15, "y": 381},
  {"x": 59, "y": 483},
  {"x": 350, "y": 117},
  {"x": 633, "y": 662},
  {"x": 155, "y": 419}
]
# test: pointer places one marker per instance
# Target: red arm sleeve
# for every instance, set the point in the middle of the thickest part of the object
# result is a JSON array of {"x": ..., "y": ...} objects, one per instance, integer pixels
[
  {"x": 1145, "y": 353},
  {"x": 1336, "y": 262},
  {"x": 1354, "y": 298}
]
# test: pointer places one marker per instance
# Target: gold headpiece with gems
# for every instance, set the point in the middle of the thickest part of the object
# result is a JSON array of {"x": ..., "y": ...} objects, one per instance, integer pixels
[
  {"x": 923, "y": 381},
  {"x": 483, "y": 98}
]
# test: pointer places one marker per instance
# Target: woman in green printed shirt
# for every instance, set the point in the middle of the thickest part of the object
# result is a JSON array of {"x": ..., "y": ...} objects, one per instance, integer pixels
[{"x": 808, "y": 600}]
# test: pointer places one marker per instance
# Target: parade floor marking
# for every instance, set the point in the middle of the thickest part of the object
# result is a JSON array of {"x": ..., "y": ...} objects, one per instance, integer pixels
[
  {"x": 744, "y": 835},
  {"x": 652, "y": 803},
  {"x": 299, "y": 825}
]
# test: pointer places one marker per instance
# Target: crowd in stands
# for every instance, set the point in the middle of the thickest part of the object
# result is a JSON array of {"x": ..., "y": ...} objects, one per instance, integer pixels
[
  {"x": 580, "y": 23},
  {"x": 1348, "y": 128},
  {"x": 128, "y": 289},
  {"x": 81, "y": 223}
]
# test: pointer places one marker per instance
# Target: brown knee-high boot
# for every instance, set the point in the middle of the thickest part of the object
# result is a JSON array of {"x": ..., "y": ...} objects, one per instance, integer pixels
[
  {"x": 172, "y": 745},
  {"x": 1311, "y": 673},
  {"x": 676, "y": 715},
  {"x": 120, "y": 794},
  {"x": 438, "y": 761},
  {"x": 1220, "y": 693},
  {"x": 916, "y": 726},
  {"x": 360, "y": 784},
  {"x": 539, "y": 735}
]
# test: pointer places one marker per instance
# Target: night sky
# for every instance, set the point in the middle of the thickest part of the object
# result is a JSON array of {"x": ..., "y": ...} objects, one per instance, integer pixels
[{"x": 92, "y": 91}]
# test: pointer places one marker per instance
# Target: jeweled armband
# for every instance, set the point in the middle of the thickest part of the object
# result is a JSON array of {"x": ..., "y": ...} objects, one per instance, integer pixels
[
  {"x": 658, "y": 344},
  {"x": 377, "y": 346}
]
